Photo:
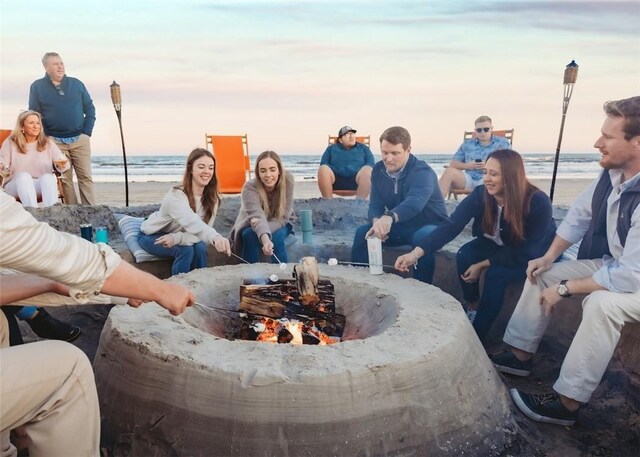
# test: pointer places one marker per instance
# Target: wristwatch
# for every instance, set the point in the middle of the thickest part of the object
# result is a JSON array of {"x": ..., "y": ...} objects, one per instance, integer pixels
[
  {"x": 563, "y": 290},
  {"x": 391, "y": 214}
]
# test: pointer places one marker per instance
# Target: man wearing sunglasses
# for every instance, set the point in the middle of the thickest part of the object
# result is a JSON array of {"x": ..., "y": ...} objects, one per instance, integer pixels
[
  {"x": 465, "y": 168},
  {"x": 68, "y": 116}
]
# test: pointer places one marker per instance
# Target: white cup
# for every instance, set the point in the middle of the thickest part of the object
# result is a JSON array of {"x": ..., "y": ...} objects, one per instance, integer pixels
[{"x": 374, "y": 246}]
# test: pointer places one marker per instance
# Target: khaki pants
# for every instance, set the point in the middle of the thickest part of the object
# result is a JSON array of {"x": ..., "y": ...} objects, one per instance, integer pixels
[
  {"x": 79, "y": 155},
  {"x": 49, "y": 388},
  {"x": 604, "y": 314}
]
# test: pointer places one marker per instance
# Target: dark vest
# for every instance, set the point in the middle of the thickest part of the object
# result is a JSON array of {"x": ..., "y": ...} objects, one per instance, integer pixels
[{"x": 594, "y": 245}]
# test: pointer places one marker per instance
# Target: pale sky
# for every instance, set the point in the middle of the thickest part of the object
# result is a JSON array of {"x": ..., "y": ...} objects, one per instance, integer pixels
[{"x": 288, "y": 73}]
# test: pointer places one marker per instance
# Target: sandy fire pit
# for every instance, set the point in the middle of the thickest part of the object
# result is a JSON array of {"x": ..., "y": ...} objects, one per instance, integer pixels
[{"x": 409, "y": 378}]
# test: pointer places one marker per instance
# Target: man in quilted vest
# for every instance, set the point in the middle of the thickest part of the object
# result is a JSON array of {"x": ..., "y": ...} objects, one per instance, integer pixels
[{"x": 606, "y": 219}]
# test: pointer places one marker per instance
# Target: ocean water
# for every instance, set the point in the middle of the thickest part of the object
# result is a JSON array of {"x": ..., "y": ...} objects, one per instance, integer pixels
[{"x": 304, "y": 167}]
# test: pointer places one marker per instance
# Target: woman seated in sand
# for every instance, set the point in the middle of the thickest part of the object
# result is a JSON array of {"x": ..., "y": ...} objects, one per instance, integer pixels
[
  {"x": 183, "y": 226},
  {"x": 27, "y": 160},
  {"x": 512, "y": 224},
  {"x": 267, "y": 205}
]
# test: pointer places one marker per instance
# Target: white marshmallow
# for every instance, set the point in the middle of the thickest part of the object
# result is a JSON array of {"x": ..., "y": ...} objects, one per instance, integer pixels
[
  {"x": 333, "y": 261},
  {"x": 273, "y": 278},
  {"x": 283, "y": 266}
]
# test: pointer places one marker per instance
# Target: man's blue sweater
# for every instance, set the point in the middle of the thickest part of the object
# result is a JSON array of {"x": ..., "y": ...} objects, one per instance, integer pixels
[
  {"x": 414, "y": 195},
  {"x": 63, "y": 116}
]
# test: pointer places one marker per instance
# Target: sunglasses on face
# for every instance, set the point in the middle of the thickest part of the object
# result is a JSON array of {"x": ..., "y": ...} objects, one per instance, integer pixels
[
  {"x": 483, "y": 129},
  {"x": 60, "y": 91}
]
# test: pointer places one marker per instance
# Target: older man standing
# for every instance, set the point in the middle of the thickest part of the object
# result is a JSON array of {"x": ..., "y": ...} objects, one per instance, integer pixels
[
  {"x": 606, "y": 219},
  {"x": 68, "y": 116}
]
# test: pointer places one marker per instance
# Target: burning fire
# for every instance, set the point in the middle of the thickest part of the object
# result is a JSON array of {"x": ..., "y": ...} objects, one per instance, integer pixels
[{"x": 290, "y": 331}]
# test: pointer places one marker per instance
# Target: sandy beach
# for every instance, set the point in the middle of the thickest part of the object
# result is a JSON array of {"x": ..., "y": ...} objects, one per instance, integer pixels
[{"x": 145, "y": 193}]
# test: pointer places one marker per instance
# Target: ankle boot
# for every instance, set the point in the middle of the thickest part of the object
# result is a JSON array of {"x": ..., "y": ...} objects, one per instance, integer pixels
[{"x": 46, "y": 326}]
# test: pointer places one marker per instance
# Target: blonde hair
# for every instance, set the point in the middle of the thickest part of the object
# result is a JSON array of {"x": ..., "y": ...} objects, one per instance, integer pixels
[
  {"x": 273, "y": 203},
  {"x": 18, "y": 138}
]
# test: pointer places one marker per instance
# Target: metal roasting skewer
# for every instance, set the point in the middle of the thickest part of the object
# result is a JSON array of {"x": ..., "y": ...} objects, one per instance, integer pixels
[
  {"x": 238, "y": 257},
  {"x": 339, "y": 261},
  {"x": 364, "y": 264},
  {"x": 238, "y": 311}
]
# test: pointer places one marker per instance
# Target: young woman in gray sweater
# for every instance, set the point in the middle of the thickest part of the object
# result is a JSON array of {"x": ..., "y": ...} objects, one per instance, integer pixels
[{"x": 267, "y": 204}]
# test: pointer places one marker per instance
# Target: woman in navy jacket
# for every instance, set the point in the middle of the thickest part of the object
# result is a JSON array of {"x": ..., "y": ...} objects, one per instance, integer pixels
[{"x": 512, "y": 224}]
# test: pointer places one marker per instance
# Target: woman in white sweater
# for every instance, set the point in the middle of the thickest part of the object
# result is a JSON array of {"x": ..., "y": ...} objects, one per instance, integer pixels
[
  {"x": 267, "y": 204},
  {"x": 183, "y": 226}
]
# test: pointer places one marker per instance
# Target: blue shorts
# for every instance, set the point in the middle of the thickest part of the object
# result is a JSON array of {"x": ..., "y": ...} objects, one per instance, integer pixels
[{"x": 345, "y": 183}]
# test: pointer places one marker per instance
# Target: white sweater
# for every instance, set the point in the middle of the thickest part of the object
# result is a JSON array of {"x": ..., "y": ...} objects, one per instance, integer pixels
[{"x": 176, "y": 217}]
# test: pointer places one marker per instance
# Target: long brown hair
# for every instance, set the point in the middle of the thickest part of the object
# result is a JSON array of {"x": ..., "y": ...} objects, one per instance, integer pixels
[
  {"x": 17, "y": 136},
  {"x": 517, "y": 192},
  {"x": 210, "y": 195},
  {"x": 273, "y": 203}
]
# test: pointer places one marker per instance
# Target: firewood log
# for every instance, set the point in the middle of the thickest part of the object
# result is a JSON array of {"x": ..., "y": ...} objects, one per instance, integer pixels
[{"x": 307, "y": 276}]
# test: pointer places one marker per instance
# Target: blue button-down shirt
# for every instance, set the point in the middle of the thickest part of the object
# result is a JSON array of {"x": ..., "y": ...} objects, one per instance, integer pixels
[
  {"x": 621, "y": 271},
  {"x": 471, "y": 150}
]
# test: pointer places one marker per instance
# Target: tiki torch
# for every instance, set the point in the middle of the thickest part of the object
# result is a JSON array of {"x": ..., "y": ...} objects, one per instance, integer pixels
[
  {"x": 116, "y": 98},
  {"x": 570, "y": 76}
]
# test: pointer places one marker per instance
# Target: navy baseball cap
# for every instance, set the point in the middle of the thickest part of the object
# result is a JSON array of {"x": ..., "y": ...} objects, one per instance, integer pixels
[{"x": 346, "y": 129}]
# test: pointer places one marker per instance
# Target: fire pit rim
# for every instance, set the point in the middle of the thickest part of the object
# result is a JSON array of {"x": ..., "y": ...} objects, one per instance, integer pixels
[{"x": 413, "y": 328}]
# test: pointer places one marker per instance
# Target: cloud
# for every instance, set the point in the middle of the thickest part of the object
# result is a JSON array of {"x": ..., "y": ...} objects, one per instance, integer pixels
[{"x": 607, "y": 17}]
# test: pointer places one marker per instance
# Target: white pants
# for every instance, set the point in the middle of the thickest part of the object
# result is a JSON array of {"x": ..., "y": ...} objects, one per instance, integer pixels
[
  {"x": 49, "y": 388},
  {"x": 27, "y": 189},
  {"x": 604, "y": 314}
]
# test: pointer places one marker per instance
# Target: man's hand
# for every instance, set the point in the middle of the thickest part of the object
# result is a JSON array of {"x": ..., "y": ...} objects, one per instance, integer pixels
[
  {"x": 166, "y": 241},
  {"x": 222, "y": 244},
  {"x": 380, "y": 228},
  {"x": 175, "y": 298},
  {"x": 549, "y": 298},
  {"x": 476, "y": 165},
  {"x": 537, "y": 267}
]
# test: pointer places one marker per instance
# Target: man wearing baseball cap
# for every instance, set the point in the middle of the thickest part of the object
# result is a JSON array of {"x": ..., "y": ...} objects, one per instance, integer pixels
[{"x": 346, "y": 165}]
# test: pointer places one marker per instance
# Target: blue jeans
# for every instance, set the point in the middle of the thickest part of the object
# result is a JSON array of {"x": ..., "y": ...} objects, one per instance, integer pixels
[
  {"x": 496, "y": 280},
  {"x": 26, "y": 312},
  {"x": 251, "y": 246},
  {"x": 186, "y": 258},
  {"x": 398, "y": 236}
]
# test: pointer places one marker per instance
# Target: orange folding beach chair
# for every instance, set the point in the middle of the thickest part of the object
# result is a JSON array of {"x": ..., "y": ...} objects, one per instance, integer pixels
[
  {"x": 4, "y": 134},
  {"x": 508, "y": 134},
  {"x": 360, "y": 139},
  {"x": 233, "y": 167}
]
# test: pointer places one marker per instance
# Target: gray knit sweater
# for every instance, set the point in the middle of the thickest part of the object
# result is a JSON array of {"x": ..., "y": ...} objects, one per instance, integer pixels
[{"x": 251, "y": 207}]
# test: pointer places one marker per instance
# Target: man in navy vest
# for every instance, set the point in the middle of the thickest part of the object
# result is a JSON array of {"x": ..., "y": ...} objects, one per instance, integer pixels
[{"x": 606, "y": 218}]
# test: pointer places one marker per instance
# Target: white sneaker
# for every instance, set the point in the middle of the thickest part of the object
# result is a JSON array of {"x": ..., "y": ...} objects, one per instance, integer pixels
[{"x": 471, "y": 315}]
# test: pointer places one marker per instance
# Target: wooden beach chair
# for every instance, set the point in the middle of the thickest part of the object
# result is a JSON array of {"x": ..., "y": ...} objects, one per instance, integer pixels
[
  {"x": 4, "y": 134},
  {"x": 508, "y": 134},
  {"x": 233, "y": 166},
  {"x": 360, "y": 139}
]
